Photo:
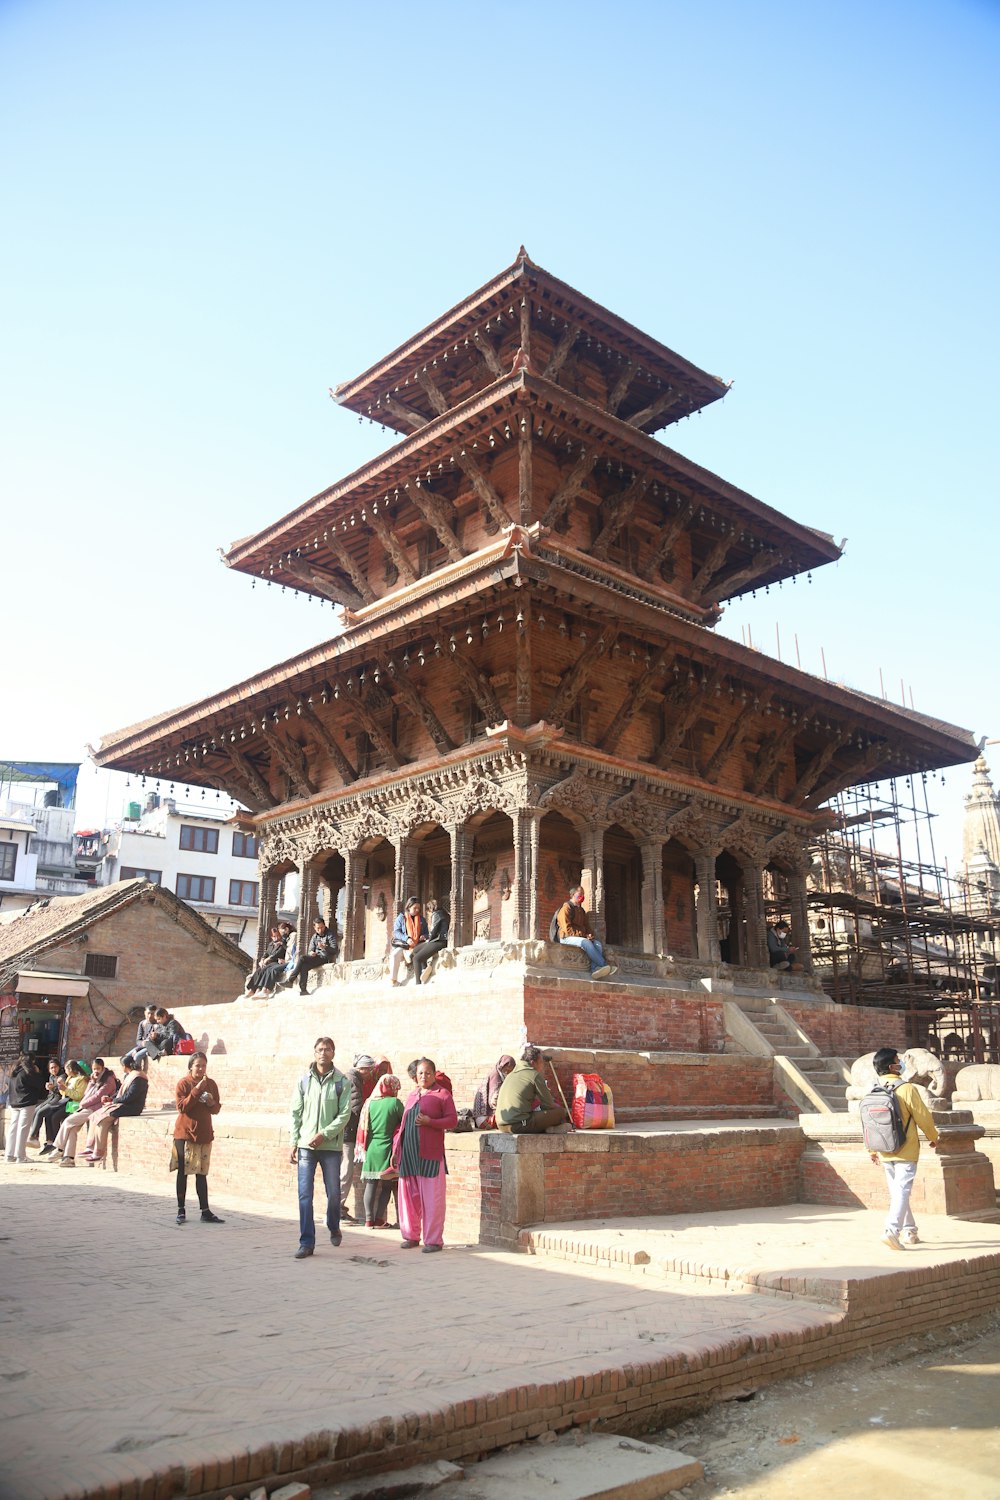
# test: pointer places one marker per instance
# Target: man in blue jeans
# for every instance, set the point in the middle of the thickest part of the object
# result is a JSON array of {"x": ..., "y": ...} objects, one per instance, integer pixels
[
  {"x": 321, "y": 1106},
  {"x": 574, "y": 929}
]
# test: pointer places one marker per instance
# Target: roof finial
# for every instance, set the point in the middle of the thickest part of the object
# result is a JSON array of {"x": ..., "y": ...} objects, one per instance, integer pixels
[{"x": 522, "y": 254}]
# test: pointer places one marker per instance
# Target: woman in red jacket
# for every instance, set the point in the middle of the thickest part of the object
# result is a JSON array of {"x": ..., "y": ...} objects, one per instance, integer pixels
[
  {"x": 197, "y": 1102},
  {"x": 419, "y": 1151}
]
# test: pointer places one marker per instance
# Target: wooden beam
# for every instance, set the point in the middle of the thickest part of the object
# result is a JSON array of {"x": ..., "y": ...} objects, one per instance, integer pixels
[
  {"x": 569, "y": 489},
  {"x": 683, "y": 722},
  {"x": 484, "y": 490},
  {"x": 322, "y": 583},
  {"x": 293, "y": 758},
  {"x": 771, "y": 756},
  {"x": 732, "y": 739},
  {"x": 419, "y": 706},
  {"x": 393, "y": 548},
  {"x": 561, "y": 352},
  {"x": 347, "y": 772},
  {"x": 350, "y": 567},
  {"x": 723, "y": 588},
  {"x": 435, "y": 395},
  {"x": 403, "y": 413},
  {"x": 524, "y": 319},
  {"x": 373, "y": 729},
  {"x": 816, "y": 767},
  {"x": 489, "y": 353},
  {"x": 575, "y": 678},
  {"x": 665, "y": 546},
  {"x": 861, "y": 770},
  {"x": 438, "y": 513},
  {"x": 525, "y": 449},
  {"x": 713, "y": 562},
  {"x": 619, "y": 511},
  {"x": 247, "y": 772},
  {"x": 476, "y": 682},
  {"x": 635, "y": 698},
  {"x": 620, "y": 387},
  {"x": 656, "y": 408}
]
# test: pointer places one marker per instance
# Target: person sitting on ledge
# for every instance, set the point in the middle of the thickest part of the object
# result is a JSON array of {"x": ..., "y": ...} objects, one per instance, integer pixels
[
  {"x": 273, "y": 955},
  {"x": 524, "y": 1104},
  {"x": 323, "y": 949},
  {"x": 485, "y": 1103},
  {"x": 574, "y": 930},
  {"x": 408, "y": 931},
  {"x": 129, "y": 1100},
  {"x": 424, "y": 953},
  {"x": 780, "y": 952}
]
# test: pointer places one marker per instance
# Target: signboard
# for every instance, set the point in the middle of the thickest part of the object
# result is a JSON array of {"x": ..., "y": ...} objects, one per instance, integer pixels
[{"x": 10, "y": 1031}]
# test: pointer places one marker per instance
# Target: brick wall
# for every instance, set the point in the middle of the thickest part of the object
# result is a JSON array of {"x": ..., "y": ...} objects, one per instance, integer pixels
[
  {"x": 160, "y": 962},
  {"x": 849, "y": 1031}
]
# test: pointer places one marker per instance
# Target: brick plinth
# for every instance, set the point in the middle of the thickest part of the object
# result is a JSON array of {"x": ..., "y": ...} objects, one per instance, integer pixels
[{"x": 957, "y": 1179}]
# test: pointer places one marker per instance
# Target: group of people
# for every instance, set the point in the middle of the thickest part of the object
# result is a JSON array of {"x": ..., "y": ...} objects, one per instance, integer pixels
[
  {"x": 158, "y": 1035},
  {"x": 281, "y": 967},
  {"x": 83, "y": 1097}
]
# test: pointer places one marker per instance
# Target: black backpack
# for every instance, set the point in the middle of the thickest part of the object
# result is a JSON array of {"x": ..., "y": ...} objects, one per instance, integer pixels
[
  {"x": 882, "y": 1121},
  {"x": 554, "y": 926}
]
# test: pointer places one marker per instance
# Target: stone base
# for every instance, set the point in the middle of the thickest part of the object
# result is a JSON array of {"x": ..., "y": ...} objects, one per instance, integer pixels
[{"x": 956, "y": 1179}]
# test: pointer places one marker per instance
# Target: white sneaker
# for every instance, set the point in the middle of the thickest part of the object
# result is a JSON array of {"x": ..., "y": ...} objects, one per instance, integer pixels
[
  {"x": 910, "y": 1237},
  {"x": 892, "y": 1240},
  {"x": 601, "y": 973}
]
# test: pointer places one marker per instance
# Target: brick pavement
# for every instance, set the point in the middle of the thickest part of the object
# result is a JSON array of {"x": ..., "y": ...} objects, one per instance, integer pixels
[{"x": 207, "y": 1358}]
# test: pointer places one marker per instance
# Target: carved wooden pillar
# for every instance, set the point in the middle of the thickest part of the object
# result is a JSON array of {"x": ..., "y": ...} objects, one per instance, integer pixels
[
  {"x": 522, "y": 668},
  {"x": 707, "y": 906},
  {"x": 268, "y": 911},
  {"x": 308, "y": 883},
  {"x": 527, "y": 831},
  {"x": 461, "y": 883},
  {"x": 352, "y": 946},
  {"x": 405, "y": 871},
  {"x": 654, "y": 936},
  {"x": 753, "y": 906},
  {"x": 800, "y": 917},
  {"x": 592, "y": 850}
]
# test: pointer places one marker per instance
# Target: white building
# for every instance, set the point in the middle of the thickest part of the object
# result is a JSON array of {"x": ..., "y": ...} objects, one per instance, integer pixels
[{"x": 194, "y": 852}]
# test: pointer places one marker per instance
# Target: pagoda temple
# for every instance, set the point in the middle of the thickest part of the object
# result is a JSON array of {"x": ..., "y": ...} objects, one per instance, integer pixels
[{"x": 526, "y": 689}]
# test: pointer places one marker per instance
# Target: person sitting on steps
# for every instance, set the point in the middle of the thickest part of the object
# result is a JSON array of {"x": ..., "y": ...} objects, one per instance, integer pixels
[
  {"x": 408, "y": 931},
  {"x": 575, "y": 931}
]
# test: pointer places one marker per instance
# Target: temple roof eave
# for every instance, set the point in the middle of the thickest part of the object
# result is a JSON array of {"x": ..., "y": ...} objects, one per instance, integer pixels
[
  {"x": 257, "y": 553},
  {"x": 356, "y": 394}
]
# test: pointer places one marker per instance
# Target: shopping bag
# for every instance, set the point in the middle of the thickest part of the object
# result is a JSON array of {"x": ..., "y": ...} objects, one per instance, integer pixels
[{"x": 593, "y": 1103}]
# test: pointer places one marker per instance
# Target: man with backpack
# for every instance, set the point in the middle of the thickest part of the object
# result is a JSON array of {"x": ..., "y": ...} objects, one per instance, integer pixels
[
  {"x": 892, "y": 1115},
  {"x": 321, "y": 1107}
]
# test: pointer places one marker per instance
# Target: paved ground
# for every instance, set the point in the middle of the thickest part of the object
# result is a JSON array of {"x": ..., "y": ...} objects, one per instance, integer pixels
[{"x": 202, "y": 1339}]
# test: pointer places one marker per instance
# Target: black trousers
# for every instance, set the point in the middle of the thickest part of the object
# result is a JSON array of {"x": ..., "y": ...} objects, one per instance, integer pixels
[
  {"x": 200, "y": 1181},
  {"x": 423, "y": 951}
]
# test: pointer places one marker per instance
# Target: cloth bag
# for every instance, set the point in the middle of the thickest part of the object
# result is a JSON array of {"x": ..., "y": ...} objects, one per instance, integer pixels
[{"x": 593, "y": 1103}]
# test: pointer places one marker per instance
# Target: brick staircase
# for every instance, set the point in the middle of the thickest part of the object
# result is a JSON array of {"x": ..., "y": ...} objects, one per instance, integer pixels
[{"x": 814, "y": 1083}]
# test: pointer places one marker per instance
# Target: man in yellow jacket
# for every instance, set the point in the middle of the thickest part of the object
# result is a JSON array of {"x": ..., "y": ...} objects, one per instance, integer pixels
[{"x": 901, "y": 1166}]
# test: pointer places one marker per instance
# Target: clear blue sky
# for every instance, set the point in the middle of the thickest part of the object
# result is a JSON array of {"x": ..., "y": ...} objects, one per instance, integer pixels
[{"x": 214, "y": 211}]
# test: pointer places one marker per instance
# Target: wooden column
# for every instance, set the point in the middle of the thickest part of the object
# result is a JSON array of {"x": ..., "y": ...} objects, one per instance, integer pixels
[
  {"x": 756, "y": 928},
  {"x": 308, "y": 882},
  {"x": 522, "y": 667},
  {"x": 707, "y": 906},
  {"x": 405, "y": 873},
  {"x": 654, "y": 937},
  {"x": 268, "y": 911},
  {"x": 800, "y": 917},
  {"x": 354, "y": 863},
  {"x": 592, "y": 850},
  {"x": 461, "y": 884},
  {"x": 527, "y": 831}
]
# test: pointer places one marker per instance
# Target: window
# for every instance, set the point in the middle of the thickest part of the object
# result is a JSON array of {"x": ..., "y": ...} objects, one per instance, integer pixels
[
  {"x": 201, "y": 840},
  {"x": 101, "y": 965},
  {"x": 128, "y": 873},
  {"x": 196, "y": 887},
  {"x": 244, "y": 846},
  {"x": 8, "y": 859},
  {"x": 243, "y": 893}
]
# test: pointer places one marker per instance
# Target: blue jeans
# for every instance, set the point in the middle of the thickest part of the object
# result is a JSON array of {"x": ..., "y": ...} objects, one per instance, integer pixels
[
  {"x": 591, "y": 947},
  {"x": 329, "y": 1164}
]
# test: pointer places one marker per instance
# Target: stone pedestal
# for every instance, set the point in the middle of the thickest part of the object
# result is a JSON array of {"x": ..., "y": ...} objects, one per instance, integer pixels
[{"x": 956, "y": 1179}]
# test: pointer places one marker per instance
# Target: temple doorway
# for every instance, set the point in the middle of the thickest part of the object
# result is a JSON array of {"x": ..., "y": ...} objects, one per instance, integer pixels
[{"x": 622, "y": 910}]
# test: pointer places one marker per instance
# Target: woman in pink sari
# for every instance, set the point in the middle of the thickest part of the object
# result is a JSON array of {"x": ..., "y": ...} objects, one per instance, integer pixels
[{"x": 419, "y": 1152}]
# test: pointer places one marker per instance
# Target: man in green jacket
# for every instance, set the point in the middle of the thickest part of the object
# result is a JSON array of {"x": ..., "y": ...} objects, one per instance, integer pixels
[
  {"x": 321, "y": 1107},
  {"x": 524, "y": 1104}
]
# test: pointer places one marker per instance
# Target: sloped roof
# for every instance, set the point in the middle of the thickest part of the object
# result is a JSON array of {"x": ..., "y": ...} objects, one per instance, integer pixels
[{"x": 48, "y": 923}]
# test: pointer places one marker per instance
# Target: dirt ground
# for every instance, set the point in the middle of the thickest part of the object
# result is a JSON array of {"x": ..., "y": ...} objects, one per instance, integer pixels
[{"x": 929, "y": 1419}]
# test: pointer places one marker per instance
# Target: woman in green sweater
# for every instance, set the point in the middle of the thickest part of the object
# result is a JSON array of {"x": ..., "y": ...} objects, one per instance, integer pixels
[{"x": 384, "y": 1111}]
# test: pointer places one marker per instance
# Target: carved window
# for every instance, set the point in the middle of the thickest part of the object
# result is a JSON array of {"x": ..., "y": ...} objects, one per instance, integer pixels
[
  {"x": 101, "y": 965},
  {"x": 363, "y": 753}
]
